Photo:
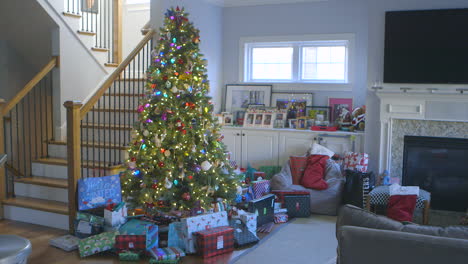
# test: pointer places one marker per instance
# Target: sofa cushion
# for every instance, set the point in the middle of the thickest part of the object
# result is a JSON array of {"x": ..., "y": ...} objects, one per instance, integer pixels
[
  {"x": 460, "y": 232},
  {"x": 314, "y": 172}
]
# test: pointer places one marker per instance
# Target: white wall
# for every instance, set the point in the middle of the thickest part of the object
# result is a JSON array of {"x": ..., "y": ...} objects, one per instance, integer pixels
[
  {"x": 134, "y": 17},
  {"x": 208, "y": 18}
]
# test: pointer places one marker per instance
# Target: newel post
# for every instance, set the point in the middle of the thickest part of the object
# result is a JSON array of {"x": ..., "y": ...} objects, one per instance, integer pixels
[
  {"x": 2, "y": 151},
  {"x": 117, "y": 30},
  {"x": 73, "y": 156}
]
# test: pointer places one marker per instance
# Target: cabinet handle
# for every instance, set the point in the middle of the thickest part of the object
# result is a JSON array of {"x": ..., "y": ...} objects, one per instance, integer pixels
[
  {"x": 243, "y": 134},
  {"x": 237, "y": 134}
]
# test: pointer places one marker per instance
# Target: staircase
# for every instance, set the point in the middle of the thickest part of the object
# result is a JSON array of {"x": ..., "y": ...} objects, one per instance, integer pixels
[{"x": 41, "y": 172}]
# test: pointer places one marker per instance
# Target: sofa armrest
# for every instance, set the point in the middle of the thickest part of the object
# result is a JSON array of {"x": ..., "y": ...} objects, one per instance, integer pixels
[{"x": 366, "y": 245}]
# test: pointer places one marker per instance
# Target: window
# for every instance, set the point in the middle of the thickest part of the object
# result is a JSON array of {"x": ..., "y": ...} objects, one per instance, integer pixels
[{"x": 317, "y": 59}]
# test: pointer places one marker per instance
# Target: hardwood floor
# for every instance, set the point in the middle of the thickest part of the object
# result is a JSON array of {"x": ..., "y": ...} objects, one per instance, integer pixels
[{"x": 43, "y": 253}]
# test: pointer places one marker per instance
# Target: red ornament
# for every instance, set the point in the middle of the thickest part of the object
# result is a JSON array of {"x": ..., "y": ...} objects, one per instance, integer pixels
[
  {"x": 165, "y": 78},
  {"x": 186, "y": 196},
  {"x": 161, "y": 164},
  {"x": 184, "y": 131},
  {"x": 149, "y": 205},
  {"x": 154, "y": 186},
  {"x": 153, "y": 85},
  {"x": 133, "y": 159},
  {"x": 190, "y": 177},
  {"x": 180, "y": 61},
  {"x": 176, "y": 73}
]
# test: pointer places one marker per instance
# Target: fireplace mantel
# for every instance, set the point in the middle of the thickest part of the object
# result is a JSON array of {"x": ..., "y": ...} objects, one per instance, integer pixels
[{"x": 449, "y": 107}]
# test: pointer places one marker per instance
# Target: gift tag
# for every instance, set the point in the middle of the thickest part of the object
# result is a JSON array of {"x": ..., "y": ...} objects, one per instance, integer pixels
[
  {"x": 220, "y": 243},
  {"x": 131, "y": 245},
  {"x": 238, "y": 230},
  {"x": 84, "y": 227}
]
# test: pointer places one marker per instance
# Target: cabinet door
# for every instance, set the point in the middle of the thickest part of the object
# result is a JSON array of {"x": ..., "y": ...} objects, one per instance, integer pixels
[
  {"x": 232, "y": 140},
  {"x": 293, "y": 144},
  {"x": 259, "y": 148}
]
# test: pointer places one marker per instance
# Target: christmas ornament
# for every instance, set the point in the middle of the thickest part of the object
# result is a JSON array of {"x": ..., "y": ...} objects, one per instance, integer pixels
[
  {"x": 167, "y": 153},
  {"x": 196, "y": 168},
  {"x": 174, "y": 89},
  {"x": 161, "y": 164},
  {"x": 186, "y": 196},
  {"x": 132, "y": 165},
  {"x": 168, "y": 184},
  {"x": 168, "y": 84},
  {"x": 146, "y": 133},
  {"x": 239, "y": 190},
  {"x": 206, "y": 165}
]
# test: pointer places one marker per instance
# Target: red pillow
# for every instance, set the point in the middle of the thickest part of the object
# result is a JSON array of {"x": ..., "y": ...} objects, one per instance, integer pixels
[
  {"x": 401, "y": 207},
  {"x": 298, "y": 165},
  {"x": 313, "y": 174}
]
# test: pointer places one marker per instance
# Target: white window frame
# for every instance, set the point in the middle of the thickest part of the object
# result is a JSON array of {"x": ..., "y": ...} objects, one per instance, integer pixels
[{"x": 299, "y": 41}]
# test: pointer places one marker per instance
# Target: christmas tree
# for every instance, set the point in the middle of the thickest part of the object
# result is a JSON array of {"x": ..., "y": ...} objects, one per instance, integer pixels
[{"x": 177, "y": 158}]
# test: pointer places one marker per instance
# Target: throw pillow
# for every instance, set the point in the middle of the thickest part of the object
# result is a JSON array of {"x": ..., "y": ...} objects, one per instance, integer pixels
[
  {"x": 321, "y": 150},
  {"x": 298, "y": 165},
  {"x": 313, "y": 174}
]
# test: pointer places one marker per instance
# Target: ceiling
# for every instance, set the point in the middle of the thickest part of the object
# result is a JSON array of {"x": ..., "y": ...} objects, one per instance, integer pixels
[{"x": 231, "y": 3}]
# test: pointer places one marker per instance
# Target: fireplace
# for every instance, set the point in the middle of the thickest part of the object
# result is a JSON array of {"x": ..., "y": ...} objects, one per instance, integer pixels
[{"x": 440, "y": 166}]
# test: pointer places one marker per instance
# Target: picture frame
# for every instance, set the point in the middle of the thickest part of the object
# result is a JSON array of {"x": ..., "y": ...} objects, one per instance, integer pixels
[
  {"x": 293, "y": 123},
  {"x": 239, "y": 96},
  {"x": 314, "y": 111},
  {"x": 301, "y": 123},
  {"x": 339, "y": 106},
  {"x": 310, "y": 123},
  {"x": 249, "y": 119},
  {"x": 294, "y": 103},
  {"x": 258, "y": 120},
  {"x": 268, "y": 120},
  {"x": 280, "y": 119},
  {"x": 228, "y": 119}
]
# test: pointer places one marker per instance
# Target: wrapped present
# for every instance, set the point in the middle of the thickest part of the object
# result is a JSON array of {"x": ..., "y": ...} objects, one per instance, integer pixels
[
  {"x": 154, "y": 261},
  {"x": 297, "y": 205},
  {"x": 130, "y": 243},
  {"x": 215, "y": 241},
  {"x": 264, "y": 208},
  {"x": 167, "y": 254},
  {"x": 198, "y": 223},
  {"x": 270, "y": 171},
  {"x": 66, "y": 242},
  {"x": 129, "y": 256},
  {"x": 280, "y": 195},
  {"x": 134, "y": 227},
  {"x": 98, "y": 243},
  {"x": 84, "y": 229},
  {"x": 260, "y": 188},
  {"x": 259, "y": 175},
  {"x": 116, "y": 215},
  {"x": 281, "y": 218},
  {"x": 356, "y": 161},
  {"x": 91, "y": 191},
  {"x": 242, "y": 235},
  {"x": 220, "y": 206},
  {"x": 249, "y": 220},
  {"x": 176, "y": 235},
  {"x": 152, "y": 236}
]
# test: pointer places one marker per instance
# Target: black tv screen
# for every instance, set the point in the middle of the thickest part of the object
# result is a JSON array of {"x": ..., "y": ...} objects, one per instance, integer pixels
[{"x": 427, "y": 46}]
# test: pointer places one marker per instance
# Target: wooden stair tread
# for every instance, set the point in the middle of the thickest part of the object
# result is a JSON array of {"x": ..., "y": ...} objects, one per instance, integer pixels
[
  {"x": 38, "y": 204},
  {"x": 87, "y": 33},
  {"x": 86, "y": 164},
  {"x": 106, "y": 126},
  {"x": 90, "y": 144},
  {"x": 99, "y": 49},
  {"x": 124, "y": 94},
  {"x": 71, "y": 14},
  {"x": 111, "y": 65},
  {"x": 114, "y": 110},
  {"x": 44, "y": 181}
]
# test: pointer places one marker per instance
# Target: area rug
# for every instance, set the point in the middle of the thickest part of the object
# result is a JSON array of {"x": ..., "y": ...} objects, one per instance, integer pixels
[{"x": 304, "y": 240}]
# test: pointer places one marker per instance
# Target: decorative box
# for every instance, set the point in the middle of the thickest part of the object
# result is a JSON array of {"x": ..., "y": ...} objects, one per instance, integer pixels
[
  {"x": 281, "y": 218},
  {"x": 152, "y": 236},
  {"x": 215, "y": 241},
  {"x": 297, "y": 205},
  {"x": 280, "y": 195},
  {"x": 260, "y": 188},
  {"x": 250, "y": 221},
  {"x": 134, "y": 227},
  {"x": 129, "y": 256},
  {"x": 130, "y": 242},
  {"x": 264, "y": 208},
  {"x": 98, "y": 243},
  {"x": 242, "y": 235},
  {"x": 166, "y": 254},
  {"x": 356, "y": 161},
  {"x": 199, "y": 223},
  {"x": 116, "y": 215},
  {"x": 95, "y": 192}
]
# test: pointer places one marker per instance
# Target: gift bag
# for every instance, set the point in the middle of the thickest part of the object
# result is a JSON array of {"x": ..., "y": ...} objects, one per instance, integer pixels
[{"x": 356, "y": 161}]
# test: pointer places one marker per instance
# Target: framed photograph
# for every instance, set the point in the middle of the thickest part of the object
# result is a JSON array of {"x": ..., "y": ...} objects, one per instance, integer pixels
[
  {"x": 293, "y": 123},
  {"x": 340, "y": 108},
  {"x": 228, "y": 119},
  {"x": 319, "y": 113},
  {"x": 301, "y": 123},
  {"x": 239, "y": 118},
  {"x": 268, "y": 120},
  {"x": 240, "y": 96},
  {"x": 258, "y": 120},
  {"x": 249, "y": 120},
  {"x": 220, "y": 119},
  {"x": 310, "y": 123},
  {"x": 295, "y": 103}
]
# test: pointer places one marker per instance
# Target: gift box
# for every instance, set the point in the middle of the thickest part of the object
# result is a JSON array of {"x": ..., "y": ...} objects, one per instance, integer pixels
[
  {"x": 356, "y": 161},
  {"x": 129, "y": 256},
  {"x": 280, "y": 195},
  {"x": 166, "y": 254},
  {"x": 94, "y": 192},
  {"x": 215, "y": 241},
  {"x": 152, "y": 236},
  {"x": 115, "y": 215},
  {"x": 250, "y": 221},
  {"x": 176, "y": 235},
  {"x": 84, "y": 229},
  {"x": 260, "y": 188},
  {"x": 242, "y": 235},
  {"x": 259, "y": 175},
  {"x": 130, "y": 243},
  {"x": 66, "y": 242},
  {"x": 199, "y": 223},
  {"x": 297, "y": 205},
  {"x": 98, "y": 243},
  {"x": 281, "y": 218},
  {"x": 134, "y": 227},
  {"x": 264, "y": 208}
]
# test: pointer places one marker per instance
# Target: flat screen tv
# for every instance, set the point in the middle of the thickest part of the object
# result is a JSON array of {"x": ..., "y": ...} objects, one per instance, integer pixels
[{"x": 426, "y": 46}]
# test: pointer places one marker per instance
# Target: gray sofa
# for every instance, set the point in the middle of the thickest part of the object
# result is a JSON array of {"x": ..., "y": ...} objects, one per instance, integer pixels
[{"x": 364, "y": 237}]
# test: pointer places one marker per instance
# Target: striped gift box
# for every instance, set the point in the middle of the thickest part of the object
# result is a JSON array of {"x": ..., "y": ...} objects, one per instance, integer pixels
[
  {"x": 167, "y": 254},
  {"x": 215, "y": 241}
]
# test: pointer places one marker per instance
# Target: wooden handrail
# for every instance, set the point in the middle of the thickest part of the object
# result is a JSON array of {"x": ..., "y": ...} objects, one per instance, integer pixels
[
  {"x": 146, "y": 28},
  {"x": 29, "y": 86},
  {"x": 100, "y": 92}
]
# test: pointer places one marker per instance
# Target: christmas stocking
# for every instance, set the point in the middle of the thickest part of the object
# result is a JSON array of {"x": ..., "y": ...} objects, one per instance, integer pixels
[{"x": 402, "y": 202}]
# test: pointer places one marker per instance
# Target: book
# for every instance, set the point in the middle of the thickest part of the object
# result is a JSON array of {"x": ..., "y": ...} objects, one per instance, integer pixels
[{"x": 66, "y": 242}]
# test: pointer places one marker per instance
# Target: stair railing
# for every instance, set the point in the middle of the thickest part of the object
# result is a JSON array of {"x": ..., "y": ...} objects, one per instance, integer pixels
[
  {"x": 26, "y": 124},
  {"x": 103, "y": 20},
  {"x": 99, "y": 132}
]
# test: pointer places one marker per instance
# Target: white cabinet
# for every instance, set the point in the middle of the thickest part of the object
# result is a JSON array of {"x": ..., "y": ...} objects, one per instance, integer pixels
[
  {"x": 233, "y": 141},
  {"x": 294, "y": 144}
]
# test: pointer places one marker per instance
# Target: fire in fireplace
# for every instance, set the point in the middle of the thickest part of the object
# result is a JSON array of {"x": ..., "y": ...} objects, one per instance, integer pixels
[{"x": 439, "y": 166}]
